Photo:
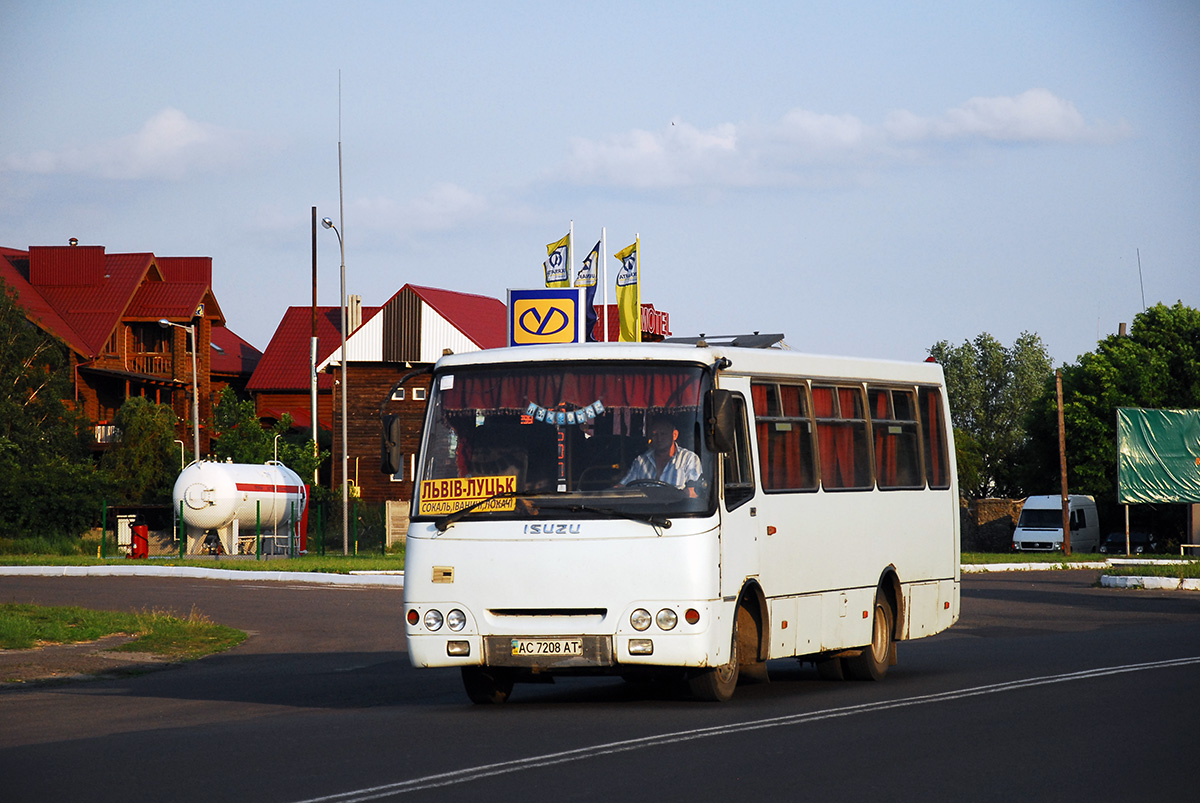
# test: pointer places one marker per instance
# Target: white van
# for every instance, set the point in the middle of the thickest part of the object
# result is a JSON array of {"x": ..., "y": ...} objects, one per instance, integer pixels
[{"x": 1039, "y": 528}]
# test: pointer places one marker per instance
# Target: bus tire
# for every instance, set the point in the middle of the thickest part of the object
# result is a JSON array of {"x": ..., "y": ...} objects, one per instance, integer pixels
[
  {"x": 487, "y": 685},
  {"x": 872, "y": 663},
  {"x": 716, "y": 684}
]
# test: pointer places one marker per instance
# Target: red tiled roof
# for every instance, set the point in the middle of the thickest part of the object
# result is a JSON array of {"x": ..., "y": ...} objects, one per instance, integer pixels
[
  {"x": 37, "y": 309},
  {"x": 480, "y": 318},
  {"x": 93, "y": 309},
  {"x": 155, "y": 300},
  {"x": 285, "y": 363},
  {"x": 81, "y": 294},
  {"x": 231, "y": 354},
  {"x": 187, "y": 269}
]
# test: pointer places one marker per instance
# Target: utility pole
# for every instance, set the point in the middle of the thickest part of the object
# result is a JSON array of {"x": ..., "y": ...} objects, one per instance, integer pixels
[{"x": 1062, "y": 462}]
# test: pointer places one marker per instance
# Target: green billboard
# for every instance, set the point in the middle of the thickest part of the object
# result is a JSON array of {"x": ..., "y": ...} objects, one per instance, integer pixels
[{"x": 1158, "y": 456}]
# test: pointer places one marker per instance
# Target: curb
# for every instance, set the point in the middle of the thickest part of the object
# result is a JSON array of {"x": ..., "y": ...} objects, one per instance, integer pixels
[
  {"x": 1149, "y": 583},
  {"x": 979, "y": 568},
  {"x": 1152, "y": 583},
  {"x": 391, "y": 579}
]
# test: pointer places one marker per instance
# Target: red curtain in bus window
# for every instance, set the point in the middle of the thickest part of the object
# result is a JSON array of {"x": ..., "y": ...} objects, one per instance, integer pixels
[
  {"x": 935, "y": 448},
  {"x": 822, "y": 402},
  {"x": 885, "y": 446},
  {"x": 758, "y": 398},
  {"x": 778, "y": 441},
  {"x": 794, "y": 437},
  {"x": 837, "y": 454},
  {"x": 833, "y": 441},
  {"x": 497, "y": 391},
  {"x": 842, "y": 439}
]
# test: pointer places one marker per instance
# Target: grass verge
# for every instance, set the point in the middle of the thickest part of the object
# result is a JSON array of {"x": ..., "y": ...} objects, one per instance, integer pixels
[
  {"x": 328, "y": 564},
  {"x": 23, "y": 627},
  {"x": 1030, "y": 557},
  {"x": 1179, "y": 568}
]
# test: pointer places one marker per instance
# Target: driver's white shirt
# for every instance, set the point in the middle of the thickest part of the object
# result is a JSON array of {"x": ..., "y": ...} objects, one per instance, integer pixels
[{"x": 683, "y": 467}]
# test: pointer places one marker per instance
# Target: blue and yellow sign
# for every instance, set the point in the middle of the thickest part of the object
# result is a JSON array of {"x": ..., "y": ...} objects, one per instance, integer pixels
[{"x": 545, "y": 316}]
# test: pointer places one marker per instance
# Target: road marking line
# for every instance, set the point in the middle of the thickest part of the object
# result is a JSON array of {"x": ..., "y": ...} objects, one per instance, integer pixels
[{"x": 581, "y": 753}]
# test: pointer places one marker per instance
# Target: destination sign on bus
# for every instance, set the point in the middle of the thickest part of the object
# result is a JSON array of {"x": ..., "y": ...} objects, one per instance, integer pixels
[{"x": 442, "y": 497}]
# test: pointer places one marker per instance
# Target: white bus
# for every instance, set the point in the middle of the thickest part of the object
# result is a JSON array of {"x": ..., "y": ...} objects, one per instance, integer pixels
[{"x": 804, "y": 506}]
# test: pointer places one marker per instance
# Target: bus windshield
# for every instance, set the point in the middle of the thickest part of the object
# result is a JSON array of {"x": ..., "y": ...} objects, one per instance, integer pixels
[{"x": 566, "y": 440}]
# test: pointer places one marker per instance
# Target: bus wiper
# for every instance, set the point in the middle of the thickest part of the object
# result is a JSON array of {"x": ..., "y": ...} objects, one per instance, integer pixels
[
  {"x": 661, "y": 522},
  {"x": 444, "y": 522}
]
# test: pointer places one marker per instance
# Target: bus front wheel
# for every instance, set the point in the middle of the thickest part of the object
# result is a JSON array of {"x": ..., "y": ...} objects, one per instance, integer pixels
[
  {"x": 872, "y": 663},
  {"x": 717, "y": 683},
  {"x": 487, "y": 685}
]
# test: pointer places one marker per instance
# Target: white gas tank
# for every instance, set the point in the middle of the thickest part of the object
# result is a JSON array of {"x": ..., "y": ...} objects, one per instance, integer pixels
[{"x": 214, "y": 495}]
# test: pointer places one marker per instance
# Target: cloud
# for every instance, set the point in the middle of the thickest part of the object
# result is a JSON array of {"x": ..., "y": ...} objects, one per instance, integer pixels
[
  {"x": 680, "y": 155},
  {"x": 444, "y": 207},
  {"x": 1033, "y": 116},
  {"x": 803, "y": 145},
  {"x": 169, "y": 146}
]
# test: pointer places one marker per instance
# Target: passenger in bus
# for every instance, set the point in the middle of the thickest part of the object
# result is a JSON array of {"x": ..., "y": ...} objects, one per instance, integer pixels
[{"x": 665, "y": 461}]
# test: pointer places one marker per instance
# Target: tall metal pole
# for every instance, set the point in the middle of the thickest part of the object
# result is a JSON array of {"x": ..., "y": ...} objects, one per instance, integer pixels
[
  {"x": 195, "y": 396},
  {"x": 327, "y": 223},
  {"x": 345, "y": 356},
  {"x": 1062, "y": 462},
  {"x": 312, "y": 351}
]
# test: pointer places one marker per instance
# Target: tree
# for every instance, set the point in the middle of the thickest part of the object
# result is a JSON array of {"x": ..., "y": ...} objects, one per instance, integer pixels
[
  {"x": 1157, "y": 365},
  {"x": 48, "y": 484},
  {"x": 240, "y": 436},
  {"x": 991, "y": 389},
  {"x": 144, "y": 463}
]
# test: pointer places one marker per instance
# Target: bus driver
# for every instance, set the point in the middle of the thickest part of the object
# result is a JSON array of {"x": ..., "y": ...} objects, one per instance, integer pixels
[{"x": 665, "y": 461}]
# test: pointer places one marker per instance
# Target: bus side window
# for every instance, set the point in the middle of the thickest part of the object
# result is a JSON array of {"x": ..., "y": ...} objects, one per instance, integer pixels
[
  {"x": 897, "y": 446},
  {"x": 842, "y": 438},
  {"x": 738, "y": 470},
  {"x": 785, "y": 442},
  {"x": 933, "y": 428}
]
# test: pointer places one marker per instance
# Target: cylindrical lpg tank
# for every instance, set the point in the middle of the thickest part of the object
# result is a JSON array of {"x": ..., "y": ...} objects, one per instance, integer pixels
[{"x": 214, "y": 495}]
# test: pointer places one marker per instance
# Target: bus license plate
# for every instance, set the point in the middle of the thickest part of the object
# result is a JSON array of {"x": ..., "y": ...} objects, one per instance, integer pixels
[{"x": 554, "y": 647}]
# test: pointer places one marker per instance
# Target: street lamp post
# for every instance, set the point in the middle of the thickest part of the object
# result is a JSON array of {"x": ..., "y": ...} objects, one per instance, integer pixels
[
  {"x": 191, "y": 329},
  {"x": 327, "y": 223}
]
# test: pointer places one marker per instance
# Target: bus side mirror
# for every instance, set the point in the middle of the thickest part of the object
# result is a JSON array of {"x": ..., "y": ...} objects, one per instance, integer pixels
[
  {"x": 721, "y": 418},
  {"x": 391, "y": 457}
]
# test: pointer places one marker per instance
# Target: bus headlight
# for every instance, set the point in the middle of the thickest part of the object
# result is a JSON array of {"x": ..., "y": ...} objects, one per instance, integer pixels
[
  {"x": 456, "y": 620},
  {"x": 666, "y": 619},
  {"x": 640, "y": 619},
  {"x": 433, "y": 620}
]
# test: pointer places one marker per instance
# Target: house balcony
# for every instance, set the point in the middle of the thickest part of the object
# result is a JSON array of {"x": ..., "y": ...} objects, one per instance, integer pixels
[
  {"x": 107, "y": 434},
  {"x": 152, "y": 364}
]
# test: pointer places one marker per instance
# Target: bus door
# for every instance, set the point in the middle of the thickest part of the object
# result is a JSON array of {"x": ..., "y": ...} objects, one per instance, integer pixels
[{"x": 740, "y": 545}]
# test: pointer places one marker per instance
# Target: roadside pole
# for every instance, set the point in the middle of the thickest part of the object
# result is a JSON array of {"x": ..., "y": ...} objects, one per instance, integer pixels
[{"x": 1062, "y": 462}]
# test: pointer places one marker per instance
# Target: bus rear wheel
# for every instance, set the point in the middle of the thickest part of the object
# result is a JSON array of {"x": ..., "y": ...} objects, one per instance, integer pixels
[
  {"x": 487, "y": 685},
  {"x": 872, "y": 663}
]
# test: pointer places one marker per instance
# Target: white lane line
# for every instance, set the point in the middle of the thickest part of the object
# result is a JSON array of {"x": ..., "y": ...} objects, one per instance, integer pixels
[{"x": 610, "y": 748}]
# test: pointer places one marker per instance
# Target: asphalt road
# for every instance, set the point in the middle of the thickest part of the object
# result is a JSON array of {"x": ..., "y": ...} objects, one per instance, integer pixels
[{"x": 1047, "y": 689}]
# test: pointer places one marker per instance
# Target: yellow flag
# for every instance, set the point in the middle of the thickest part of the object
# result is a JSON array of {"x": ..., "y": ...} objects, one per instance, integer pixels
[
  {"x": 558, "y": 265},
  {"x": 629, "y": 295}
]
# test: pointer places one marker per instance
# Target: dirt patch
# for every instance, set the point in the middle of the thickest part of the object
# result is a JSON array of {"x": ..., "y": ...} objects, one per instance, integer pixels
[{"x": 58, "y": 663}]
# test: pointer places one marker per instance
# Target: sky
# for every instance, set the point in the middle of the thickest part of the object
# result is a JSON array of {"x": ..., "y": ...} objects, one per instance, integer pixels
[{"x": 868, "y": 178}]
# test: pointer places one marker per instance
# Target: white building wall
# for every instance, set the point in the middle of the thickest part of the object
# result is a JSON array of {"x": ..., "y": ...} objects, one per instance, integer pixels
[{"x": 438, "y": 334}]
